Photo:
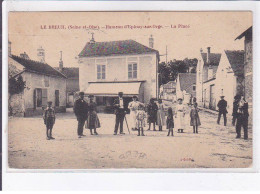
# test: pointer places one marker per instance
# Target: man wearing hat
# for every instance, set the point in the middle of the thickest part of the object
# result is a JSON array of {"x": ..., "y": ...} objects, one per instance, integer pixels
[
  {"x": 81, "y": 112},
  {"x": 222, "y": 109},
  {"x": 120, "y": 111}
]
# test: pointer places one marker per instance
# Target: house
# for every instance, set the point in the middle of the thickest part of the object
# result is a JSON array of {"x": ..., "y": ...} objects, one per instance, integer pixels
[
  {"x": 230, "y": 76},
  {"x": 186, "y": 86},
  {"x": 72, "y": 83},
  {"x": 248, "y": 69},
  {"x": 206, "y": 79},
  {"x": 43, "y": 83},
  {"x": 106, "y": 68},
  {"x": 168, "y": 91}
]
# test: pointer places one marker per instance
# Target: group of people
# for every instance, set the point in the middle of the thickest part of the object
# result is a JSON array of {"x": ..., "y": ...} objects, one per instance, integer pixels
[
  {"x": 153, "y": 114},
  {"x": 240, "y": 114}
]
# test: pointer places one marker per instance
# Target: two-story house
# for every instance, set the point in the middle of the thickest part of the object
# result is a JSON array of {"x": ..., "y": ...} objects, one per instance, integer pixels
[
  {"x": 248, "y": 68},
  {"x": 106, "y": 68},
  {"x": 206, "y": 79}
]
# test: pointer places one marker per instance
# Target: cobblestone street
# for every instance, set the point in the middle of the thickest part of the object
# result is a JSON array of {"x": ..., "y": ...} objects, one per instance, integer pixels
[{"x": 214, "y": 147}]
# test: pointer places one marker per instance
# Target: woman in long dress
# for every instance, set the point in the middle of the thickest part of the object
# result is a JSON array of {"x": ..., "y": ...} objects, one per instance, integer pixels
[
  {"x": 92, "y": 121},
  {"x": 133, "y": 107},
  {"x": 179, "y": 115},
  {"x": 160, "y": 115}
]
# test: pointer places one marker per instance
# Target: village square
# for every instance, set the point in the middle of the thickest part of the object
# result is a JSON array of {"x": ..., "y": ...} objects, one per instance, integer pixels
[{"x": 127, "y": 105}]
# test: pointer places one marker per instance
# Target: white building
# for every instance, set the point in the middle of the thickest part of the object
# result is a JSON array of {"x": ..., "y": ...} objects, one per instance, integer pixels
[
  {"x": 106, "y": 68},
  {"x": 230, "y": 76}
]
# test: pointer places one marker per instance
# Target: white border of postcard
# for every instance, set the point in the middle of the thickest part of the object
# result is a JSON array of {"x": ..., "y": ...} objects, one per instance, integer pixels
[{"x": 119, "y": 179}]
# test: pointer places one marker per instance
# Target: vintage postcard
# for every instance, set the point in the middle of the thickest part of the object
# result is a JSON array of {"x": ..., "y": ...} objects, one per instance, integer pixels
[{"x": 124, "y": 90}]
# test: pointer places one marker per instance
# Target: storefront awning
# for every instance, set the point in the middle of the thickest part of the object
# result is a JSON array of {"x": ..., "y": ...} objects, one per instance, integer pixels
[{"x": 112, "y": 89}]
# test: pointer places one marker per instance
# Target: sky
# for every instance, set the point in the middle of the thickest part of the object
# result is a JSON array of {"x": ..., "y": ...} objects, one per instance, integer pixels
[{"x": 218, "y": 30}]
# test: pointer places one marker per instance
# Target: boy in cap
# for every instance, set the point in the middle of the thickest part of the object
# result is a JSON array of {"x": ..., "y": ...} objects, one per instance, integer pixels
[{"x": 49, "y": 120}]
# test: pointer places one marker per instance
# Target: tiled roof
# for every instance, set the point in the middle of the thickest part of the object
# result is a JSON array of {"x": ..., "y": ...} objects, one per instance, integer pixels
[
  {"x": 123, "y": 47},
  {"x": 38, "y": 67},
  {"x": 236, "y": 60},
  {"x": 214, "y": 58},
  {"x": 187, "y": 80},
  {"x": 247, "y": 32},
  {"x": 69, "y": 72}
]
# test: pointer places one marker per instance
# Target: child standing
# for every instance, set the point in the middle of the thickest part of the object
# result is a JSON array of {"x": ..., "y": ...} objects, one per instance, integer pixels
[
  {"x": 194, "y": 118},
  {"x": 140, "y": 119},
  {"x": 169, "y": 121},
  {"x": 49, "y": 120}
]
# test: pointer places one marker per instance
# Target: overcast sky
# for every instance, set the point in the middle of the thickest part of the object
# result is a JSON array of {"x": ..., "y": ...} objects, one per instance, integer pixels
[{"x": 215, "y": 29}]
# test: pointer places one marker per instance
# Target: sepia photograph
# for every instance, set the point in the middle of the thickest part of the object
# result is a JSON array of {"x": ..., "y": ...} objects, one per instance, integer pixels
[{"x": 130, "y": 90}]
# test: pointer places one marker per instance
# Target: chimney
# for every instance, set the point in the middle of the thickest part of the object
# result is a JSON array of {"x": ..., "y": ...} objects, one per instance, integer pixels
[
  {"x": 60, "y": 62},
  {"x": 151, "y": 40},
  {"x": 41, "y": 54},
  {"x": 9, "y": 48},
  {"x": 92, "y": 41},
  {"x": 24, "y": 55},
  {"x": 208, "y": 54}
]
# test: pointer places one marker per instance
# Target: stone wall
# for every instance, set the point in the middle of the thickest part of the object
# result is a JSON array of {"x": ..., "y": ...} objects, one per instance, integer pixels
[{"x": 16, "y": 105}]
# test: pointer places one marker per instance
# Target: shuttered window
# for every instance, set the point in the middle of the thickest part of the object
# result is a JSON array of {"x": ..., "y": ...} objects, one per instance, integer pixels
[{"x": 40, "y": 97}]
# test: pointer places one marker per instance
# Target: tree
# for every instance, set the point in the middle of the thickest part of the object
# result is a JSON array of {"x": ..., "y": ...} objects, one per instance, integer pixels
[{"x": 16, "y": 85}]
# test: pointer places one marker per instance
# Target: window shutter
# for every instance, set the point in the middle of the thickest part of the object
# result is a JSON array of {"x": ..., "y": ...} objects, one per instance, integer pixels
[
  {"x": 34, "y": 98},
  {"x": 44, "y": 97}
]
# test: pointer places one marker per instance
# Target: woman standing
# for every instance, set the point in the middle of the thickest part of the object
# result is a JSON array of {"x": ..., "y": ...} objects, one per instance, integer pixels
[
  {"x": 133, "y": 107},
  {"x": 92, "y": 120},
  {"x": 152, "y": 109},
  {"x": 160, "y": 115},
  {"x": 179, "y": 115}
]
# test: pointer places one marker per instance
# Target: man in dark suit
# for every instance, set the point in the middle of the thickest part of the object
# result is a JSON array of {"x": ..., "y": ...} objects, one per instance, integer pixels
[
  {"x": 242, "y": 118},
  {"x": 81, "y": 112},
  {"x": 120, "y": 111},
  {"x": 222, "y": 109}
]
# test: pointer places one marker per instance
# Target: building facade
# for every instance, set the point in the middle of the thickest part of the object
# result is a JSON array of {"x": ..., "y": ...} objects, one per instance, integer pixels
[
  {"x": 43, "y": 84},
  {"x": 168, "y": 91},
  {"x": 230, "y": 76},
  {"x": 206, "y": 79},
  {"x": 186, "y": 86},
  {"x": 248, "y": 68},
  {"x": 72, "y": 83},
  {"x": 106, "y": 68}
]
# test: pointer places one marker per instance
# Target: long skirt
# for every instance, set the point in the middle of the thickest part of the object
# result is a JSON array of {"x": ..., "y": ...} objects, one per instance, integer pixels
[
  {"x": 92, "y": 121},
  {"x": 132, "y": 123},
  {"x": 180, "y": 124}
]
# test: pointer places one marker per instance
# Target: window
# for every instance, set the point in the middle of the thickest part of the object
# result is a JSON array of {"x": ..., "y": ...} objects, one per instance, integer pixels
[
  {"x": 40, "y": 97},
  {"x": 101, "y": 71},
  {"x": 193, "y": 88},
  {"x": 132, "y": 71},
  {"x": 46, "y": 81}
]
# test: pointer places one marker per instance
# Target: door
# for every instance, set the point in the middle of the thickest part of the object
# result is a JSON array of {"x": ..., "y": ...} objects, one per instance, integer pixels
[
  {"x": 212, "y": 97},
  {"x": 57, "y": 98}
]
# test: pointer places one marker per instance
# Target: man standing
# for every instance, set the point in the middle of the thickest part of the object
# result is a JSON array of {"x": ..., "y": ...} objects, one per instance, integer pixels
[
  {"x": 235, "y": 108},
  {"x": 120, "y": 111},
  {"x": 242, "y": 118},
  {"x": 81, "y": 112},
  {"x": 222, "y": 109}
]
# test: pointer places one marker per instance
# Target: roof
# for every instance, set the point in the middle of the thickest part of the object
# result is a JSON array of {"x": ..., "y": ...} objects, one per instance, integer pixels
[
  {"x": 69, "y": 72},
  {"x": 187, "y": 80},
  {"x": 122, "y": 47},
  {"x": 38, "y": 67},
  {"x": 236, "y": 60},
  {"x": 214, "y": 58},
  {"x": 246, "y": 33}
]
